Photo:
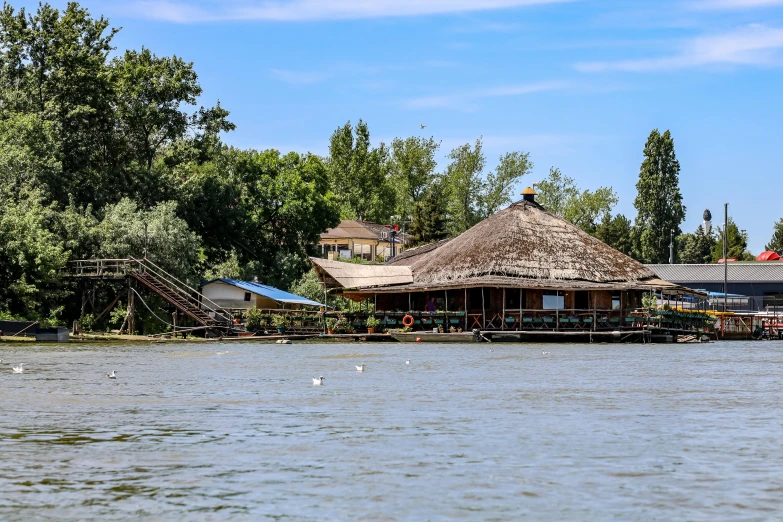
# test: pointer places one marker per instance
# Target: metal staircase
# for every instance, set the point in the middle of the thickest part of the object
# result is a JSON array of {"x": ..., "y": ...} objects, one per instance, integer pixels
[
  {"x": 184, "y": 298},
  {"x": 181, "y": 296}
]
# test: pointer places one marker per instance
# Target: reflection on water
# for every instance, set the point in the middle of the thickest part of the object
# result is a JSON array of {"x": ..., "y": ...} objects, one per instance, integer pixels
[{"x": 212, "y": 432}]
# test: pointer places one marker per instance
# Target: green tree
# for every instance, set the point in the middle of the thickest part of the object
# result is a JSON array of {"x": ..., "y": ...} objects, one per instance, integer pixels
[
  {"x": 284, "y": 203},
  {"x": 737, "y": 244},
  {"x": 413, "y": 170},
  {"x": 695, "y": 248},
  {"x": 472, "y": 197},
  {"x": 360, "y": 175},
  {"x": 617, "y": 232},
  {"x": 658, "y": 201},
  {"x": 150, "y": 91},
  {"x": 497, "y": 189},
  {"x": 31, "y": 257},
  {"x": 776, "y": 243},
  {"x": 586, "y": 209},
  {"x": 428, "y": 223},
  {"x": 127, "y": 231},
  {"x": 28, "y": 157},
  {"x": 53, "y": 65},
  {"x": 463, "y": 186}
]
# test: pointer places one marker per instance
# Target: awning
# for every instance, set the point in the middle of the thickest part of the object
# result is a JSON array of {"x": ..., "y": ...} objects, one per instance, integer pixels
[{"x": 338, "y": 274}]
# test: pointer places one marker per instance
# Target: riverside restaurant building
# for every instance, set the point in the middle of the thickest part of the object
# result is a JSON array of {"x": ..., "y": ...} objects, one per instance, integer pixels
[{"x": 522, "y": 269}]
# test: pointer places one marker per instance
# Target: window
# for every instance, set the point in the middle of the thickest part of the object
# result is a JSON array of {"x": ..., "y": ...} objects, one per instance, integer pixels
[
  {"x": 616, "y": 301},
  {"x": 552, "y": 301},
  {"x": 247, "y": 296},
  {"x": 512, "y": 298},
  {"x": 582, "y": 300}
]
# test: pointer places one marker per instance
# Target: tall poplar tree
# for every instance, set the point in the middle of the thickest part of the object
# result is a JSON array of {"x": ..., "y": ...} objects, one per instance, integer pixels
[
  {"x": 428, "y": 222},
  {"x": 658, "y": 201}
]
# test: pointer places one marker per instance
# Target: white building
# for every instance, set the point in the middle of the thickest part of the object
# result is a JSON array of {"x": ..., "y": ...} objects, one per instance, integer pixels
[{"x": 234, "y": 294}]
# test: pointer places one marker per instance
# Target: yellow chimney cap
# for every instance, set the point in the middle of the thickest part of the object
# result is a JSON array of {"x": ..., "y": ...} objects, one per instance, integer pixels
[{"x": 528, "y": 192}]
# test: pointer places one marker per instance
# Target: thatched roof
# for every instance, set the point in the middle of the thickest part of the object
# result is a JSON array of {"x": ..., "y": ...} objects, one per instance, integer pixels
[
  {"x": 523, "y": 246},
  {"x": 411, "y": 255},
  {"x": 350, "y": 229},
  {"x": 352, "y": 275},
  {"x": 526, "y": 241}
]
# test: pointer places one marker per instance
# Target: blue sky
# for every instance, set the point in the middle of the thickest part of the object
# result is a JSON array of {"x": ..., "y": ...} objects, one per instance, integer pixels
[{"x": 578, "y": 84}]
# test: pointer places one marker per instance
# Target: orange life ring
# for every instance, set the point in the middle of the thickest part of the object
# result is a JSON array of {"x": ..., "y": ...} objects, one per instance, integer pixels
[{"x": 407, "y": 320}]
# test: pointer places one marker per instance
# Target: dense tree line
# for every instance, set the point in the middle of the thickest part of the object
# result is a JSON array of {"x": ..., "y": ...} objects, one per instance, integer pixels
[{"x": 106, "y": 154}]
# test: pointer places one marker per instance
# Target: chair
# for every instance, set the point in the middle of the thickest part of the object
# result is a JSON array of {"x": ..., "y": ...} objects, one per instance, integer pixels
[
  {"x": 527, "y": 323},
  {"x": 495, "y": 322}
]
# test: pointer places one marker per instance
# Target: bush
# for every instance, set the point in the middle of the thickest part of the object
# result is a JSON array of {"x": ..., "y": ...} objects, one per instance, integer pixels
[
  {"x": 117, "y": 316},
  {"x": 254, "y": 319},
  {"x": 279, "y": 321},
  {"x": 87, "y": 323},
  {"x": 342, "y": 324}
]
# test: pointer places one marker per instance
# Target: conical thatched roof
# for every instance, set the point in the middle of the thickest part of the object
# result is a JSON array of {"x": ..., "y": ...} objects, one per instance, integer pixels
[{"x": 526, "y": 241}]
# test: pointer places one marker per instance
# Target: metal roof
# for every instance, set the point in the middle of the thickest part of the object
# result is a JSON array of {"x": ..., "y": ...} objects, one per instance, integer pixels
[
  {"x": 281, "y": 296},
  {"x": 767, "y": 272}
]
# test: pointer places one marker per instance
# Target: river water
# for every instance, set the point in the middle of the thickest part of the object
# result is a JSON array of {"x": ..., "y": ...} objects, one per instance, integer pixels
[{"x": 464, "y": 432}]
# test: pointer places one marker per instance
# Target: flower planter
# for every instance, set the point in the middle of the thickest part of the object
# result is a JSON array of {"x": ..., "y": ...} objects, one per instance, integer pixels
[
  {"x": 371, "y": 330},
  {"x": 330, "y": 332},
  {"x": 281, "y": 330}
]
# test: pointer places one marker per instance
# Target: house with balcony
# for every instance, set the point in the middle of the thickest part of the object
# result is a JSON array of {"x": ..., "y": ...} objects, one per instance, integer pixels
[{"x": 361, "y": 239}]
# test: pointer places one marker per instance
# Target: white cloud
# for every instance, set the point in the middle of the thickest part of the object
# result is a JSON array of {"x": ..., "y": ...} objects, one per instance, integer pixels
[
  {"x": 749, "y": 45},
  {"x": 467, "y": 100},
  {"x": 304, "y": 10},
  {"x": 735, "y": 4}
]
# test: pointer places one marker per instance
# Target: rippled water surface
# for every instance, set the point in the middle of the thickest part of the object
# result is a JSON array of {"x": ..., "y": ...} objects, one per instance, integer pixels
[{"x": 238, "y": 431}]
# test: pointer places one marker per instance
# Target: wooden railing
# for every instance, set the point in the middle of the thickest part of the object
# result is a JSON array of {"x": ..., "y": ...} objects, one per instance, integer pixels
[{"x": 120, "y": 268}]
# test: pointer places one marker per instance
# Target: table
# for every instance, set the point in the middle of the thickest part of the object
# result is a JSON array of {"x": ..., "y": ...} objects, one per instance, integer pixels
[{"x": 476, "y": 320}]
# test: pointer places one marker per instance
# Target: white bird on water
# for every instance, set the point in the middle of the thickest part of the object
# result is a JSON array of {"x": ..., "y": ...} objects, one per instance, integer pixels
[
  {"x": 360, "y": 368},
  {"x": 19, "y": 369},
  {"x": 545, "y": 353},
  {"x": 319, "y": 381},
  {"x": 408, "y": 361},
  {"x": 112, "y": 375}
]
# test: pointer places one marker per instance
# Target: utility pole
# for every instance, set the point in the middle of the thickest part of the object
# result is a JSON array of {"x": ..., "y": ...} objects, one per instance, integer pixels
[
  {"x": 725, "y": 256},
  {"x": 671, "y": 246}
]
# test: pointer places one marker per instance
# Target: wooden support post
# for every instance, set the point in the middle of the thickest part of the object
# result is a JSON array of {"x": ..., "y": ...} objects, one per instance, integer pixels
[
  {"x": 466, "y": 310},
  {"x": 519, "y": 321},
  {"x": 131, "y": 309},
  {"x": 503, "y": 316},
  {"x": 483, "y": 310},
  {"x": 595, "y": 314},
  {"x": 557, "y": 310}
]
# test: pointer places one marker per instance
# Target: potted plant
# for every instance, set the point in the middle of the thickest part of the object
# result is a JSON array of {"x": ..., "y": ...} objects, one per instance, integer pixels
[
  {"x": 254, "y": 319},
  {"x": 330, "y": 324},
  {"x": 372, "y": 324},
  {"x": 280, "y": 322},
  {"x": 342, "y": 325}
]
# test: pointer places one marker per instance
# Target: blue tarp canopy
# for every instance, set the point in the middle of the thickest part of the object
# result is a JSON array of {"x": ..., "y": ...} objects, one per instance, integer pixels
[
  {"x": 721, "y": 294},
  {"x": 281, "y": 296}
]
